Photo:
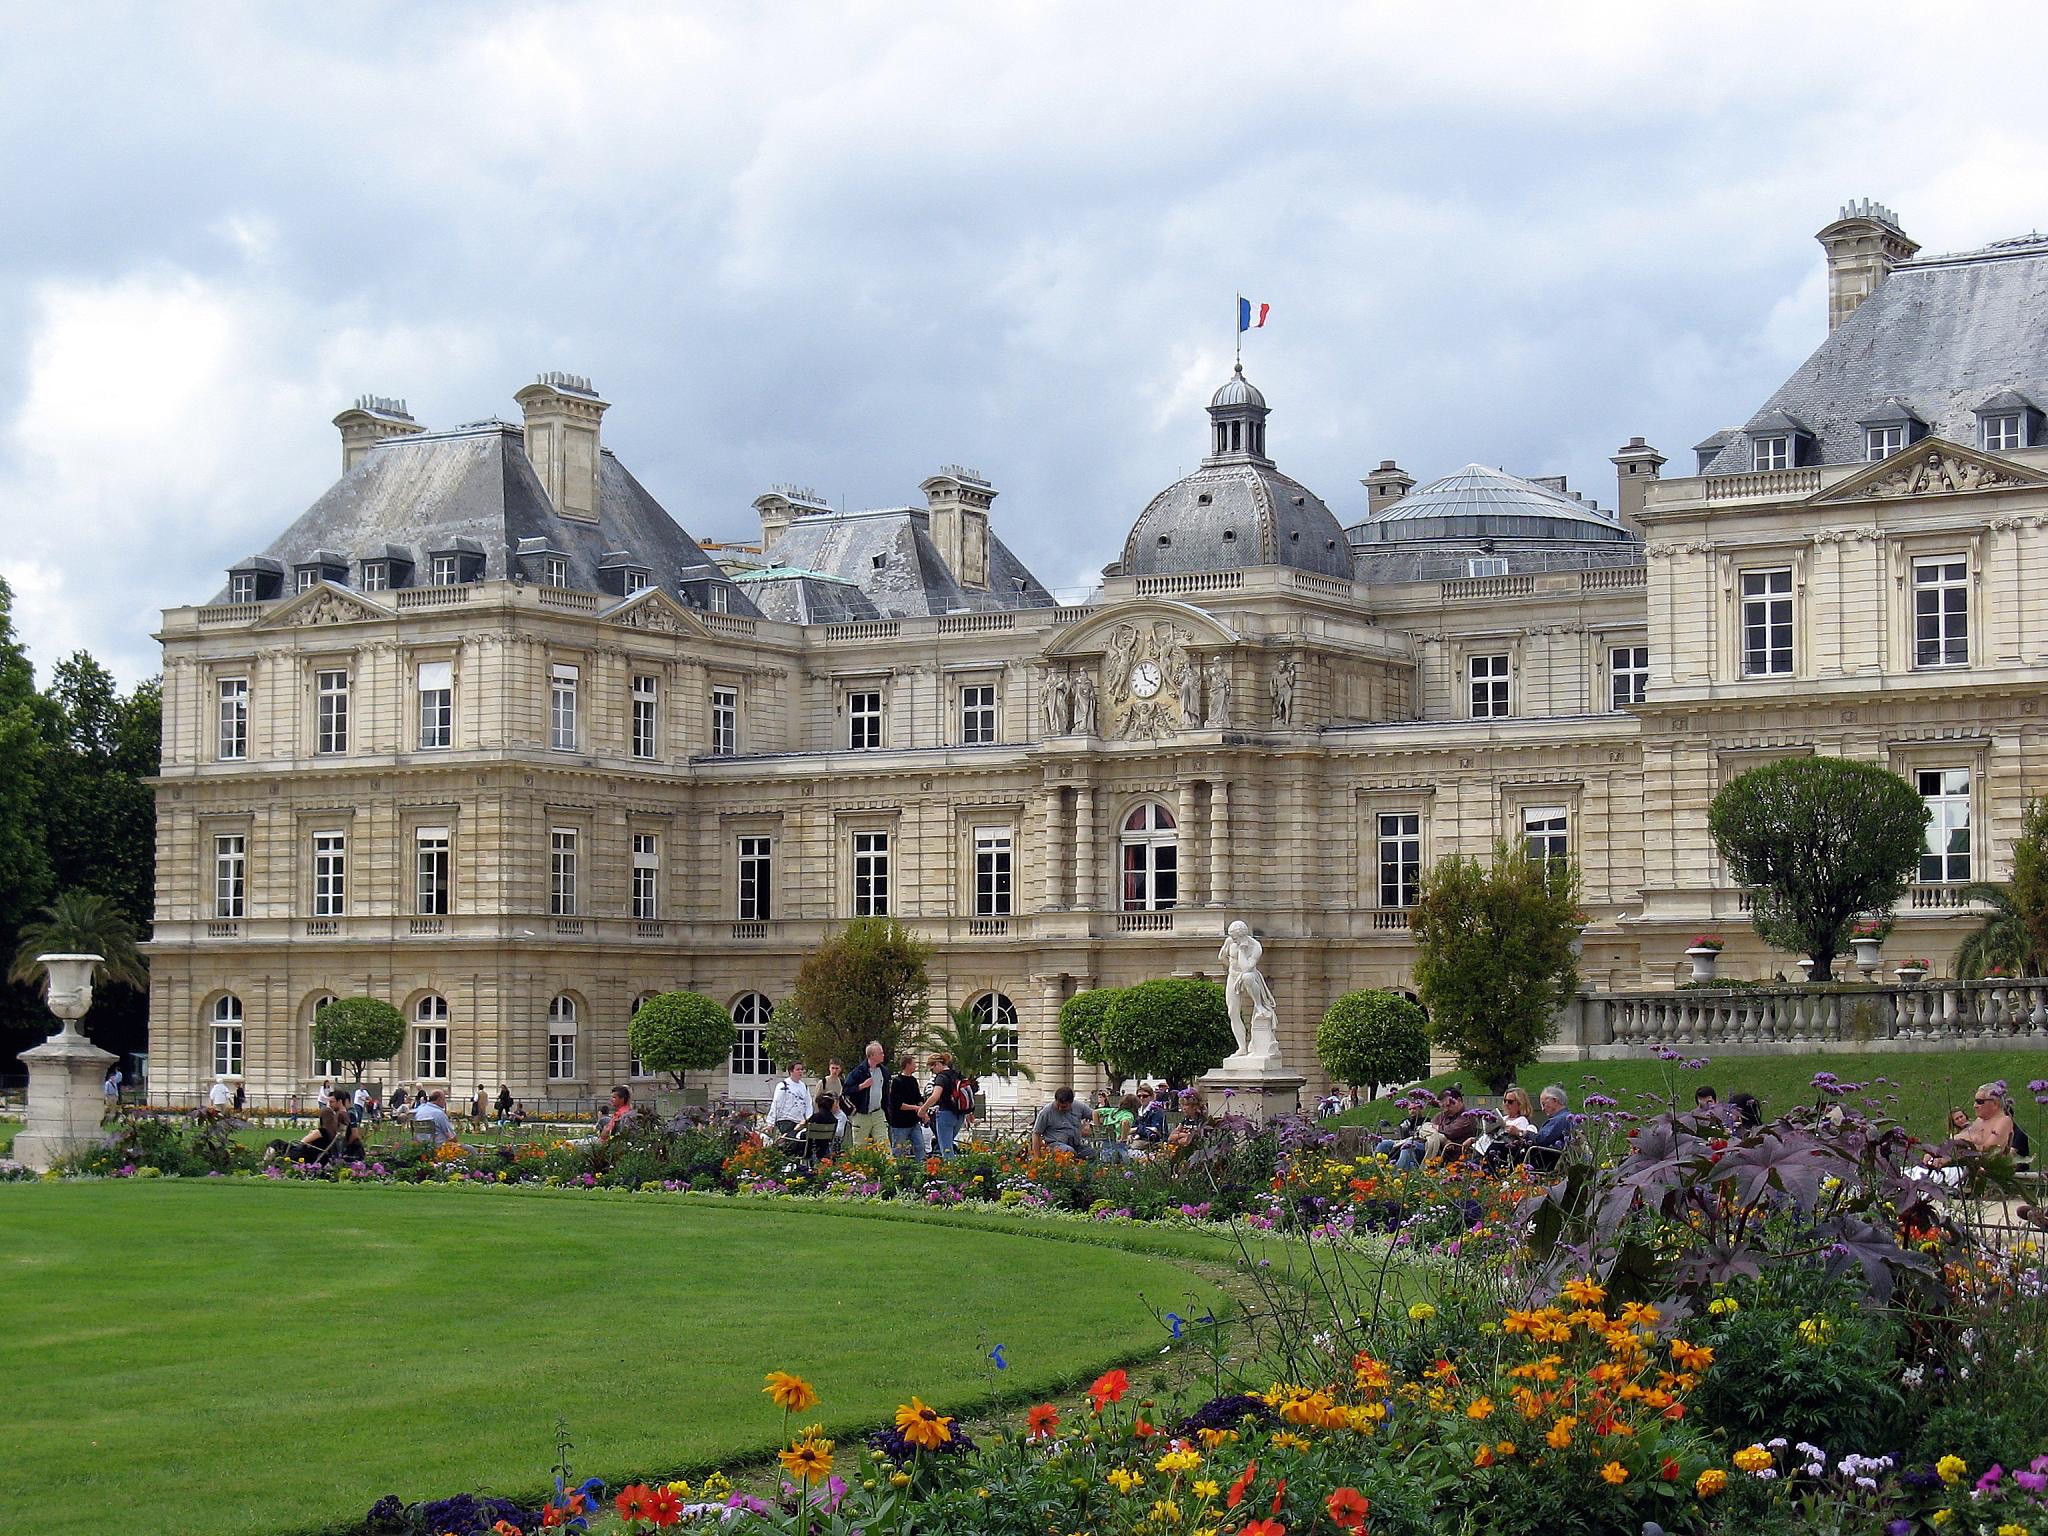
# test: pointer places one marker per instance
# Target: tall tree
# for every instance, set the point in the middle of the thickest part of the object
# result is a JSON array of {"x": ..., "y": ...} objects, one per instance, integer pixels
[
  {"x": 1818, "y": 840},
  {"x": 82, "y": 923},
  {"x": 24, "y": 856},
  {"x": 2030, "y": 885},
  {"x": 1494, "y": 959},
  {"x": 866, "y": 983}
]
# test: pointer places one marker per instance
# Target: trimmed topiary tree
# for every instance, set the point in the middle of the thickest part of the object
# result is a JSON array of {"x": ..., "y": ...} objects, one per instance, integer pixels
[
  {"x": 1081, "y": 1020},
  {"x": 1818, "y": 840},
  {"x": 1175, "y": 1027},
  {"x": 1372, "y": 1038},
  {"x": 680, "y": 1033},
  {"x": 356, "y": 1031},
  {"x": 1494, "y": 958}
]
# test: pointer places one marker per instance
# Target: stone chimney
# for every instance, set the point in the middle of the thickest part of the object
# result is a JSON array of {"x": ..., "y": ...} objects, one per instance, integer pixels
[
  {"x": 562, "y": 416},
  {"x": 1863, "y": 245},
  {"x": 371, "y": 418},
  {"x": 1636, "y": 464},
  {"x": 959, "y": 500},
  {"x": 1385, "y": 486},
  {"x": 783, "y": 505}
]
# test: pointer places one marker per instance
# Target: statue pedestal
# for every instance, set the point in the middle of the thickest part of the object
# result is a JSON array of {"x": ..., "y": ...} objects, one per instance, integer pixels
[
  {"x": 66, "y": 1098},
  {"x": 1254, "y": 1086}
]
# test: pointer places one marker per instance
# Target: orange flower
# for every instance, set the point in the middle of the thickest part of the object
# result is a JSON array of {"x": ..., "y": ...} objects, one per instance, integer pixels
[
  {"x": 1615, "y": 1473},
  {"x": 809, "y": 1461},
  {"x": 1144, "y": 1430},
  {"x": 792, "y": 1394},
  {"x": 1559, "y": 1437},
  {"x": 1483, "y": 1457},
  {"x": 1044, "y": 1421},
  {"x": 1244, "y": 1480},
  {"x": 1669, "y": 1471},
  {"x": 926, "y": 1428},
  {"x": 1109, "y": 1387},
  {"x": 1265, "y": 1528},
  {"x": 1348, "y": 1508}
]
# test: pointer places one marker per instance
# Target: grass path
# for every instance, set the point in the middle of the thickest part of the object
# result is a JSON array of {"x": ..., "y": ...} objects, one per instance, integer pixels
[{"x": 231, "y": 1358}]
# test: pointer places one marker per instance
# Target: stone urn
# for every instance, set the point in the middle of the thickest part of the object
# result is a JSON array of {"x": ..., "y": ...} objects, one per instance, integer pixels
[
  {"x": 64, "y": 1072},
  {"x": 1704, "y": 958},
  {"x": 1911, "y": 975},
  {"x": 1867, "y": 956},
  {"x": 1805, "y": 970}
]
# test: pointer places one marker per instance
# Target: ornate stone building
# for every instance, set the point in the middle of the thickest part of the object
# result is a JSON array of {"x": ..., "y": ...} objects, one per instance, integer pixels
[{"x": 486, "y": 733}]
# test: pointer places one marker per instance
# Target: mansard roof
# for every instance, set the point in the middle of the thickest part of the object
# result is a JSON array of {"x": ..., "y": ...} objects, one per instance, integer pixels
[
  {"x": 798, "y": 596},
  {"x": 473, "y": 488},
  {"x": 1945, "y": 333},
  {"x": 889, "y": 556}
]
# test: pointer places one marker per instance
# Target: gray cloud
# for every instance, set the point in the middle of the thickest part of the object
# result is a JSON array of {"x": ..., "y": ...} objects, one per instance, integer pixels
[{"x": 844, "y": 246}]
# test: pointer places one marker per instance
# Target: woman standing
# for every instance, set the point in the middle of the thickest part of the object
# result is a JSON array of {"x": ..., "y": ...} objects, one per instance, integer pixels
[
  {"x": 944, "y": 1103},
  {"x": 903, "y": 1108}
]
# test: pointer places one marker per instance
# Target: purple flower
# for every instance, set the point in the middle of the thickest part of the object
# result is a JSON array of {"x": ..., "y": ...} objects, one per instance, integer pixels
[{"x": 1991, "y": 1478}]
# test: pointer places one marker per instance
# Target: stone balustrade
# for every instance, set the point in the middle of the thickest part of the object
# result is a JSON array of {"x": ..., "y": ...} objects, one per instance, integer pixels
[{"x": 1783, "y": 1018}]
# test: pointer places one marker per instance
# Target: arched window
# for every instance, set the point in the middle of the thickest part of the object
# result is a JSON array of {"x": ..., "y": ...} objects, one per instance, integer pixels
[
  {"x": 227, "y": 1035},
  {"x": 997, "y": 1016},
  {"x": 1151, "y": 853},
  {"x": 430, "y": 1038},
  {"x": 638, "y": 1068},
  {"x": 562, "y": 1039},
  {"x": 750, "y": 1011},
  {"x": 322, "y": 1067}
]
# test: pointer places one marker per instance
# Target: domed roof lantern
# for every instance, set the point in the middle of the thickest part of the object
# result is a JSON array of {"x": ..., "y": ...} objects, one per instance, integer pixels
[{"x": 1237, "y": 416}]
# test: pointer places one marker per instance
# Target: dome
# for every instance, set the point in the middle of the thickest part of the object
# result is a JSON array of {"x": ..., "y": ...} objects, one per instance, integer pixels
[
  {"x": 1237, "y": 391},
  {"x": 1478, "y": 502},
  {"x": 1232, "y": 513}
]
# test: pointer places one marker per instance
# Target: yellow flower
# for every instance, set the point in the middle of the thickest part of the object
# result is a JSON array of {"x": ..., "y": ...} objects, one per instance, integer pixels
[
  {"x": 1816, "y": 1331},
  {"x": 1559, "y": 1437},
  {"x": 679, "y": 1488},
  {"x": 1951, "y": 1469},
  {"x": 1166, "y": 1512},
  {"x": 2012, "y": 1528},
  {"x": 1584, "y": 1292},
  {"x": 716, "y": 1486},
  {"x": 1421, "y": 1312},
  {"x": 1179, "y": 1459},
  {"x": 1710, "y": 1482},
  {"x": 1637, "y": 1314},
  {"x": 1753, "y": 1458},
  {"x": 1123, "y": 1480},
  {"x": 1288, "y": 1440},
  {"x": 1723, "y": 1306},
  {"x": 1481, "y": 1408},
  {"x": 1615, "y": 1473},
  {"x": 1942, "y": 1516},
  {"x": 1205, "y": 1488},
  {"x": 899, "y": 1479},
  {"x": 792, "y": 1394},
  {"x": 926, "y": 1428},
  {"x": 808, "y": 1461}
]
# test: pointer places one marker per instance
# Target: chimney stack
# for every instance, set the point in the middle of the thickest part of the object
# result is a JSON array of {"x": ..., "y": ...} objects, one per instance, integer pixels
[
  {"x": 562, "y": 416},
  {"x": 1385, "y": 486},
  {"x": 1863, "y": 245},
  {"x": 1636, "y": 464},
  {"x": 959, "y": 500},
  {"x": 371, "y": 419},
  {"x": 783, "y": 505}
]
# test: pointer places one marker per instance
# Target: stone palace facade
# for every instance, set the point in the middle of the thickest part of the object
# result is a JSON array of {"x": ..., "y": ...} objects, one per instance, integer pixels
[{"x": 486, "y": 733}]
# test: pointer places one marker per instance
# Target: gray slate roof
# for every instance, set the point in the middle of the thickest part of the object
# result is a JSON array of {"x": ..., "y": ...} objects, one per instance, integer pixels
[
  {"x": 1478, "y": 502},
  {"x": 475, "y": 483},
  {"x": 889, "y": 556},
  {"x": 797, "y": 596},
  {"x": 1944, "y": 334},
  {"x": 1236, "y": 510}
]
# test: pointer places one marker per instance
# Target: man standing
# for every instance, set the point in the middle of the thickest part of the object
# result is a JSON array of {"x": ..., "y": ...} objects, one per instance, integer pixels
[
  {"x": 1062, "y": 1123},
  {"x": 791, "y": 1106},
  {"x": 220, "y": 1096},
  {"x": 905, "y": 1111},
  {"x": 866, "y": 1098}
]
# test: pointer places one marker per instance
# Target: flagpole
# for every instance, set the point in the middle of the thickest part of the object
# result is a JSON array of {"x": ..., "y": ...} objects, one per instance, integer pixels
[{"x": 1237, "y": 322}]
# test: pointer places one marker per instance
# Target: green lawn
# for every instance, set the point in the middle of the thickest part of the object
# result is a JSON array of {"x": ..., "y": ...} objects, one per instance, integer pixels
[
  {"x": 1922, "y": 1087},
  {"x": 228, "y": 1357}
]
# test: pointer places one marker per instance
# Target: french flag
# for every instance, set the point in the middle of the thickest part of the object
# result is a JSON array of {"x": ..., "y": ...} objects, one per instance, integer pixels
[{"x": 1250, "y": 316}]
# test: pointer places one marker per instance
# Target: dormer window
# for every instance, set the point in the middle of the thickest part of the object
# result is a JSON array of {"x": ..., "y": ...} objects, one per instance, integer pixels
[
  {"x": 242, "y": 587},
  {"x": 637, "y": 581},
  {"x": 1880, "y": 443},
  {"x": 554, "y": 571},
  {"x": 309, "y": 577},
  {"x": 376, "y": 575},
  {"x": 1230, "y": 535},
  {"x": 2003, "y": 432},
  {"x": 718, "y": 599},
  {"x": 1493, "y": 565},
  {"x": 1771, "y": 452},
  {"x": 878, "y": 561},
  {"x": 446, "y": 570}
]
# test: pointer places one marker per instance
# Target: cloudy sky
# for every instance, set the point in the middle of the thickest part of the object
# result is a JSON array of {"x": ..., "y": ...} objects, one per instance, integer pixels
[{"x": 844, "y": 245}]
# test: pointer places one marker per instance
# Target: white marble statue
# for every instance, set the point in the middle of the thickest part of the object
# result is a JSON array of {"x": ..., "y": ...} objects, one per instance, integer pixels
[
  {"x": 1055, "y": 703},
  {"x": 1253, "y": 1019},
  {"x": 1084, "y": 705},
  {"x": 1219, "y": 694},
  {"x": 1282, "y": 687}
]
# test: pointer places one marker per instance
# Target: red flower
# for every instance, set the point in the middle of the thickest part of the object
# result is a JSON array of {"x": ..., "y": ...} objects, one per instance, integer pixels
[
  {"x": 1044, "y": 1421},
  {"x": 1244, "y": 1480},
  {"x": 1143, "y": 1430},
  {"x": 1279, "y": 1494},
  {"x": 1669, "y": 1471},
  {"x": 1348, "y": 1507},
  {"x": 632, "y": 1501},
  {"x": 1109, "y": 1387},
  {"x": 663, "y": 1507},
  {"x": 553, "y": 1516},
  {"x": 1265, "y": 1528}
]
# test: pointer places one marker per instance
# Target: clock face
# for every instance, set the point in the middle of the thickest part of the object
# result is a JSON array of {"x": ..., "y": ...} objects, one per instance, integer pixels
[{"x": 1145, "y": 679}]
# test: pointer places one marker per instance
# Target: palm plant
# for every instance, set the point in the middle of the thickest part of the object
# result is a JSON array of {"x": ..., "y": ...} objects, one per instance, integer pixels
[
  {"x": 82, "y": 923},
  {"x": 2002, "y": 943},
  {"x": 973, "y": 1043}
]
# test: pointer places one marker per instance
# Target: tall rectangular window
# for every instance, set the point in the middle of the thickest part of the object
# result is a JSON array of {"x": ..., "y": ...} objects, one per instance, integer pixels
[
  {"x": 1400, "y": 843},
  {"x": 330, "y": 874},
  {"x": 437, "y": 704},
  {"x": 430, "y": 1052},
  {"x": 562, "y": 708},
  {"x": 978, "y": 714},
  {"x": 445, "y": 570},
  {"x": 330, "y": 719},
  {"x": 646, "y": 701},
  {"x": 1489, "y": 676},
  {"x": 561, "y": 1058},
  {"x": 992, "y": 848},
  {"x": 1628, "y": 675},
  {"x": 1941, "y": 612},
  {"x": 562, "y": 872},
  {"x": 430, "y": 871},
  {"x": 646, "y": 876},
  {"x": 1767, "y": 623},
  {"x": 1546, "y": 832},
  {"x": 234, "y": 718},
  {"x": 230, "y": 875},
  {"x": 756, "y": 878},
  {"x": 1880, "y": 443},
  {"x": 1771, "y": 453},
  {"x": 227, "y": 1050},
  {"x": 870, "y": 874},
  {"x": 864, "y": 719},
  {"x": 554, "y": 571},
  {"x": 1947, "y": 793},
  {"x": 242, "y": 587},
  {"x": 725, "y": 721}
]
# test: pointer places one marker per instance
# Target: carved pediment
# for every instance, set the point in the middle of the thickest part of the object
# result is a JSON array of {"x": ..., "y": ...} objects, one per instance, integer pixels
[
  {"x": 657, "y": 613},
  {"x": 325, "y": 604},
  {"x": 1093, "y": 635},
  {"x": 1931, "y": 467}
]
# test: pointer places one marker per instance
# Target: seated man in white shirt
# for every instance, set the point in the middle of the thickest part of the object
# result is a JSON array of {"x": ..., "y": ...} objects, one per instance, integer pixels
[{"x": 433, "y": 1111}]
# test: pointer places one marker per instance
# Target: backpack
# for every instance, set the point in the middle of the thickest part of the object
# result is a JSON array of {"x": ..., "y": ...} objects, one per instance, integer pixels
[{"x": 960, "y": 1099}]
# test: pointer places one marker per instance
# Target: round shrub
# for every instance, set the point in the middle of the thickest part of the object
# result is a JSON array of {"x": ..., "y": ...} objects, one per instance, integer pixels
[
  {"x": 1370, "y": 1039},
  {"x": 1175, "y": 1027},
  {"x": 680, "y": 1033},
  {"x": 357, "y": 1031},
  {"x": 1081, "y": 1020}
]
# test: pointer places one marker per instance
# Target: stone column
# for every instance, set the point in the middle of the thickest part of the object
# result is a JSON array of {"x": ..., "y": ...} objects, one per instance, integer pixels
[
  {"x": 1087, "y": 878},
  {"x": 1055, "y": 836},
  {"x": 1219, "y": 842},
  {"x": 1186, "y": 816}
]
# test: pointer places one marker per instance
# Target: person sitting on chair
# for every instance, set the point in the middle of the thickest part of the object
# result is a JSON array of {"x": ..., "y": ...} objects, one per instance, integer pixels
[
  {"x": 821, "y": 1130},
  {"x": 621, "y": 1114},
  {"x": 432, "y": 1113}
]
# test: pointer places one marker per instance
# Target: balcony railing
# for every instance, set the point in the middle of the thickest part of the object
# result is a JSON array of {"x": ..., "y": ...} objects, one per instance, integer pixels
[
  {"x": 1144, "y": 922},
  {"x": 1947, "y": 1011},
  {"x": 1763, "y": 483},
  {"x": 648, "y": 928},
  {"x": 1390, "y": 920},
  {"x": 988, "y": 927}
]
